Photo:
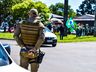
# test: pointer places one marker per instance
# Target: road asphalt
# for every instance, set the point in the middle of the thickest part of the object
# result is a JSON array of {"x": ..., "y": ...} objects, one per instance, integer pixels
[{"x": 65, "y": 57}]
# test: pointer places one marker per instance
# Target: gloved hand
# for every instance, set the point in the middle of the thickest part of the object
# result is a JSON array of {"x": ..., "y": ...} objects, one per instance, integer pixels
[
  {"x": 32, "y": 53},
  {"x": 29, "y": 53},
  {"x": 33, "y": 50}
]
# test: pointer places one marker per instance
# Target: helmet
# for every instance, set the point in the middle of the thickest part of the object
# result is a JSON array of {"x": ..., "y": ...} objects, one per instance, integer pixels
[{"x": 34, "y": 11}]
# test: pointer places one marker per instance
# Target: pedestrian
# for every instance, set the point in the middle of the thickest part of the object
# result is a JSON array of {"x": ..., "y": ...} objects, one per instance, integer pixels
[
  {"x": 79, "y": 30},
  {"x": 61, "y": 29},
  {"x": 49, "y": 25},
  {"x": 83, "y": 30},
  {"x": 87, "y": 29},
  {"x": 30, "y": 36},
  {"x": 5, "y": 25}
]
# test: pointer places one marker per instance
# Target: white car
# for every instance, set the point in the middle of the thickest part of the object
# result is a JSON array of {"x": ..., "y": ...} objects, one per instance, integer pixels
[
  {"x": 6, "y": 62},
  {"x": 50, "y": 38}
]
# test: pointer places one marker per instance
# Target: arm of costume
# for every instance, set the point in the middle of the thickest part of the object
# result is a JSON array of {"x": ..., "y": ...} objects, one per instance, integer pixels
[
  {"x": 41, "y": 37},
  {"x": 17, "y": 36}
]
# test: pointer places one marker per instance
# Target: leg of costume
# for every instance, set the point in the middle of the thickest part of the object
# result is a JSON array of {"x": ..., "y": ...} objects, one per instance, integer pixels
[
  {"x": 24, "y": 62},
  {"x": 34, "y": 67}
]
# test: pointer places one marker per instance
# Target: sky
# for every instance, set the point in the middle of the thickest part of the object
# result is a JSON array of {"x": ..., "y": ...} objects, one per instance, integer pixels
[{"x": 73, "y": 3}]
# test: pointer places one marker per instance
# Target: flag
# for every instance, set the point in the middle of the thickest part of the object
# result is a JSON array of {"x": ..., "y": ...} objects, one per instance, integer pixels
[{"x": 71, "y": 24}]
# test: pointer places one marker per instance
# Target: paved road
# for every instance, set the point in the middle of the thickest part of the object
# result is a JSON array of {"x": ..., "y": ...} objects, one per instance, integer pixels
[{"x": 65, "y": 57}]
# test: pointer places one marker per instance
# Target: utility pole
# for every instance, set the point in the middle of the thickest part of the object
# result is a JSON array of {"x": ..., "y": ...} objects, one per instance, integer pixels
[
  {"x": 95, "y": 20},
  {"x": 65, "y": 16}
]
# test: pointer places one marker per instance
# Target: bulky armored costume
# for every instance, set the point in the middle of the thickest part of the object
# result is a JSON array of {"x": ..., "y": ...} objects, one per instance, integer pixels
[{"x": 29, "y": 35}]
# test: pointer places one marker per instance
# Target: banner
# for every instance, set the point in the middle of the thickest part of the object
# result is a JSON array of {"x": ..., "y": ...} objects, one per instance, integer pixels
[{"x": 71, "y": 24}]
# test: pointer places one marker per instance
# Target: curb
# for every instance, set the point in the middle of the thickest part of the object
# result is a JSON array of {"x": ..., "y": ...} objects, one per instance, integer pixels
[{"x": 6, "y": 39}]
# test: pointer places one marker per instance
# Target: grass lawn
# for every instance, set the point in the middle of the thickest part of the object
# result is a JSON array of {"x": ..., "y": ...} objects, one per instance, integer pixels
[
  {"x": 6, "y": 35},
  {"x": 69, "y": 38},
  {"x": 73, "y": 38}
]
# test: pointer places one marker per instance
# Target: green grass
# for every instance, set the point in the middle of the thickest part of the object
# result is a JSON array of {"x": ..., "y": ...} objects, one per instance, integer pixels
[
  {"x": 73, "y": 38},
  {"x": 69, "y": 38},
  {"x": 6, "y": 35}
]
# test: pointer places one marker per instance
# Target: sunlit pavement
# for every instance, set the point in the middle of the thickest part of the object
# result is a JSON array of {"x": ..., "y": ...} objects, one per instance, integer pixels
[{"x": 65, "y": 57}]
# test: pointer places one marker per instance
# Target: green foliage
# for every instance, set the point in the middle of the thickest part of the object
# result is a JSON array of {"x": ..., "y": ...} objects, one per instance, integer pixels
[
  {"x": 5, "y": 6},
  {"x": 43, "y": 10},
  {"x": 87, "y": 7},
  {"x": 71, "y": 13},
  {"x": 21, "y": 9},
  {"x": 58, "y": 9}
]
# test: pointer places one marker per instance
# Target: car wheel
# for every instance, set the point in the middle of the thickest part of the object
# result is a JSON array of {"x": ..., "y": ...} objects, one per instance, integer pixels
[{"x": 53, "y": 45}]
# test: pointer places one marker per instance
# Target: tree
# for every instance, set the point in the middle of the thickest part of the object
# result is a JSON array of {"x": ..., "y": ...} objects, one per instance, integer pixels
[
  {"x": 21, "y": 9},
  {"x": 71, "y": 12},
  {"x": 58, "y": 9},
  {"x": 87, "y": 7},
  {"x": 5, "y": 6},
  {"x": 43, "y": 10}
]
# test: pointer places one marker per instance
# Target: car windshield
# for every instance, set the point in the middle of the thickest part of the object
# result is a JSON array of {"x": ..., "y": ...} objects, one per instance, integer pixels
[
  {"x": 46, "y": 29},
  {"x": 4, "y": 60}
]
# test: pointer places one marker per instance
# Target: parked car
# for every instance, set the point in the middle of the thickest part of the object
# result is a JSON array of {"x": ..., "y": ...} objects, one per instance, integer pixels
[
  {"x": 7, "y": 47},
  {"x": 50, "y": 38},
  {"x": 6, "y": 62}
]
